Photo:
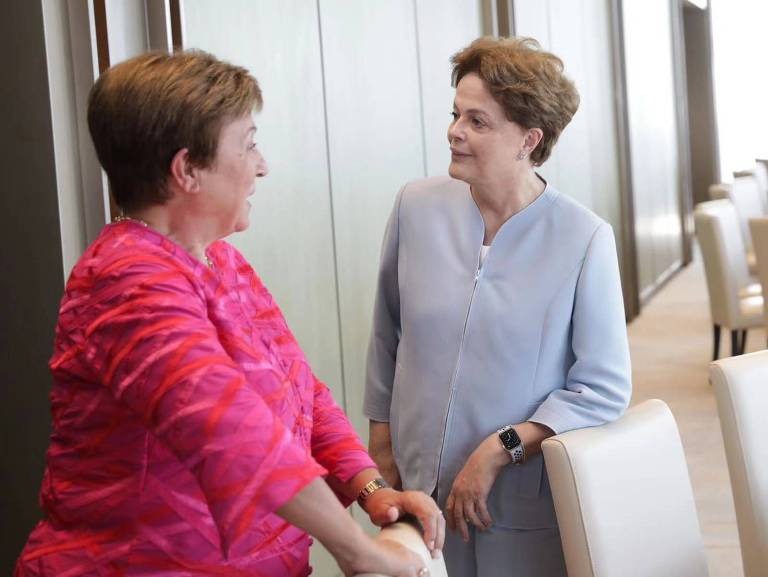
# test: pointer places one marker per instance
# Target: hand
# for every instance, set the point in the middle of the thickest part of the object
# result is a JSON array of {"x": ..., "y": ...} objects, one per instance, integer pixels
[
  {"x": 386, "y": 506},
  {"x": 467, "y": 501},
  {"x": 387, "y": 558}
]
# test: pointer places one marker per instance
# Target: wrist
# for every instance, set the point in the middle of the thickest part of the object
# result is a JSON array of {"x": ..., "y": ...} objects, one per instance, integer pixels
[
  {"x": 512, "y": 444},
  {"x": 369, "y": 490}
]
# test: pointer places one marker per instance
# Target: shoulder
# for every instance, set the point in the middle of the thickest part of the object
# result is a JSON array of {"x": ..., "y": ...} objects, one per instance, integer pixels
[
  {"x": 434, "y": 187},
  {"x": 437, "y": 193},
  {"x": 125, "y": 256},
  {"x": 576, "y": 221}
]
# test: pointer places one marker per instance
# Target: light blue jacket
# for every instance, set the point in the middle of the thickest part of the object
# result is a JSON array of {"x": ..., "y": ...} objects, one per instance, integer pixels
[{"x": 538, "y": 333}]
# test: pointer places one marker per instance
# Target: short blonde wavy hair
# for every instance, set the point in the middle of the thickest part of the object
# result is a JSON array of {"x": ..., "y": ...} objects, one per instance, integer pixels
[{"x": 526, "y": 81}]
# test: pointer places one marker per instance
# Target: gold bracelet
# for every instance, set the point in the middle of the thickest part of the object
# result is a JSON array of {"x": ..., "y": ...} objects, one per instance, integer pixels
[{"x": 370, "y": 488}]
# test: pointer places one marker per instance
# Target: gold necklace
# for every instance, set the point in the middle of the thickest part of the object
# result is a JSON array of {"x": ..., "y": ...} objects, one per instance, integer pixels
[{"x": 124, "y": 217}]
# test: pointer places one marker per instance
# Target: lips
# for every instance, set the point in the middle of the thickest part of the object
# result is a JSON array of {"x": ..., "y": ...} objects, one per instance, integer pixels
[{"x": 459, "y": 153}]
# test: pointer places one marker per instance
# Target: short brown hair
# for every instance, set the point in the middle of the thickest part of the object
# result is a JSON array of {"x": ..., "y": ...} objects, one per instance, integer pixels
[
  {"x": 141, "y": 112},
  {"x": 526, "y": 81}
]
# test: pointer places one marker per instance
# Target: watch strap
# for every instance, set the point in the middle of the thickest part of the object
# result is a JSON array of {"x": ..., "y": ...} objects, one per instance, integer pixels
[
  {"x": 370, "y": 488},
  {"x": 516, "y": 450}
]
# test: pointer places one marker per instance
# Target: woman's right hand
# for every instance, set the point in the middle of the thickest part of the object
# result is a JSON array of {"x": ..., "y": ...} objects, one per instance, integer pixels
[{"x": 385, "y": 557}]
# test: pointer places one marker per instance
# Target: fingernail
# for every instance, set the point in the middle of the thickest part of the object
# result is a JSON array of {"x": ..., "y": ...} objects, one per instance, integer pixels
[{"x": 431, "y": 545}]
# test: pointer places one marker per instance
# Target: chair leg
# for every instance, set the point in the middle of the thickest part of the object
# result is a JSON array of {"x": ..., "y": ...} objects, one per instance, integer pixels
[
  {"x": 716, "y": 354},
  {"x": 735, "y": 343},
  {"x": 743, "y": 346}
]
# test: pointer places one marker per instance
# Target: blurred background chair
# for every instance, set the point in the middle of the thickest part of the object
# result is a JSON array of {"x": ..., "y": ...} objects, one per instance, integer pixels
[
  {"x": 623, "y": 498},
  {"x": 741, "y": 390},
  {"x": 759, "y": 229},
  {"x": 408, "y": 533},
  {"x": 749, "y": 200},
  {"x": 734, "y": 302}
]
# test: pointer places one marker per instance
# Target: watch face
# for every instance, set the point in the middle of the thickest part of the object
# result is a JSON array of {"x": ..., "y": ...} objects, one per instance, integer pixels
[{"x": 509, "y": 439}]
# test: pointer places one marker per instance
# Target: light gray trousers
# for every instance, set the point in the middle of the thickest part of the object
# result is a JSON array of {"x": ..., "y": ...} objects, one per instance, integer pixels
[{"x": 502, "y": 552}]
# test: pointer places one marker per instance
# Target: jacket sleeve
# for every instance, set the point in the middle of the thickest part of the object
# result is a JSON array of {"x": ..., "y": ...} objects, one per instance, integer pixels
[
  {"x": 598, "y": 385},
  {"x": 335, "y": 444},
  {"x": 155, "y": 347},
  {"x": 385, "y": 333}
]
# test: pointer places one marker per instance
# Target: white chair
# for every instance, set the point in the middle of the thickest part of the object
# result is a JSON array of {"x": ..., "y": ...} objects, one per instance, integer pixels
[
  {"x": 623, "y": 498},
  {"x": 759, "y": 229},
  {"x": 741, "y": 389},
  {"x": 409, "y": 535},
  {"x": 761, "y": 176},
  {"x": 719, "y": 191},
  {"x": 748, "y": 200},
  {"x": 733, "y": 301}
]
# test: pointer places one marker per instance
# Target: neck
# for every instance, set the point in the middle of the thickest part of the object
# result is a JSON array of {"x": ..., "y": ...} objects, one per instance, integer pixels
[
  {"x": 499, "y": 201},
  {"x": 177, "y": 226}
]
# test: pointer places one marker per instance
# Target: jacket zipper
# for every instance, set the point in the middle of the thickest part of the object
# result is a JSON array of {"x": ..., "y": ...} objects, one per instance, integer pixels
[{"x": 478, "y": 272}]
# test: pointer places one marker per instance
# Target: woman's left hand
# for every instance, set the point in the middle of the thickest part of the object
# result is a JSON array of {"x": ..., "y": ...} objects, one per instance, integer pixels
[
  {"x": 388, "y": 505},
  {"x": 467, "y": 501}
]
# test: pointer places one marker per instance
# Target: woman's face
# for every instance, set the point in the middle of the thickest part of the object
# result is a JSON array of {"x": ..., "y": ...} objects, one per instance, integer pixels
[
  {"x": 484, "y": 143},
  {"x": 231, "y": 179}
]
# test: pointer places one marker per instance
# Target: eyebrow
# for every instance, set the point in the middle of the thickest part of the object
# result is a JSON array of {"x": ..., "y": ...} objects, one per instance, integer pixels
[{"x": 473, "y": 110}]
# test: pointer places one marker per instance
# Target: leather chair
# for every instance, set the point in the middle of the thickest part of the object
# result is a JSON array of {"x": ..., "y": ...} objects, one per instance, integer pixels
[
  {"x": 734, "y": 302},
  {"x": 759, "y": 229},
  {"x": 741, "y": 390},
  {"x": 748, "y": 200},
  {"x": 761, "y": 176},
  {"x": 623, "y": 498},
  {"x": 408, "y": 534}
]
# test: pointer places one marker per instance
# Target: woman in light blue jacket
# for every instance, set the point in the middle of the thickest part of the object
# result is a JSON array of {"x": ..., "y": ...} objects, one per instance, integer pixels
[{"x": 499, "y": 319}]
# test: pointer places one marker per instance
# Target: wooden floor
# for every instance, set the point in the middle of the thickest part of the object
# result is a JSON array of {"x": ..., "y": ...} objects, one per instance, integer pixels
[{"x": 671, "y": 345}]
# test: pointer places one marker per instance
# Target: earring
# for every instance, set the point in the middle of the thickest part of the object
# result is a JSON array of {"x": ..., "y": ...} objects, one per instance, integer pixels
[{"x": 522, "y": 155}]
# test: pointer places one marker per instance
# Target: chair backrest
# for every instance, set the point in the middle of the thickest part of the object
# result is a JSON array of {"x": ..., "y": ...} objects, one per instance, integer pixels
[
  {"x": 761, "y": 176},
  {"x": 725, "y": 261},
  {"x": 408, "y": 535},
  {"x": 747, "y": 197},
  {"x": 623, "y": 498},
  {"x": 741, "y": 389},
  {"x": 719, "y": 191},
  {"x": 759, "y": 229}
]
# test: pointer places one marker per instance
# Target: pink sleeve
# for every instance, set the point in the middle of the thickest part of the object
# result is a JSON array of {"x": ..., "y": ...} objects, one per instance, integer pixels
[
  {"x": 335, "y": 444},
  {"x": 156, "y": 348}
]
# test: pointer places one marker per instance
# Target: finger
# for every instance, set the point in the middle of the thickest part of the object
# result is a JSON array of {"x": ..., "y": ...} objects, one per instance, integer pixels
[
  {"x": 460, "y": 521},
  {"x": 449, "y": 506},
  {"x": 481, "y": 507},
  {"x": 429, "y": 522},
  {"x": 393, "y": 514},
  {"x": 471, "y": 516},
  {"x": 440, "y": 537}
]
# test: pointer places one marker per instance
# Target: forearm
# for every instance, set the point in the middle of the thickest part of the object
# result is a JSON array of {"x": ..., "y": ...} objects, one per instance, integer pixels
[
  {"x": 316, "y": 510},
  {"x": 532, "y": 435}
]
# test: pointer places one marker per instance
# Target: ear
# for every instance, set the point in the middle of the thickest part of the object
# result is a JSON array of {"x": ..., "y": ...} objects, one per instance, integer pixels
[
  {"x": 184, "y": 175},
  {"x": 532, "y": 138}
]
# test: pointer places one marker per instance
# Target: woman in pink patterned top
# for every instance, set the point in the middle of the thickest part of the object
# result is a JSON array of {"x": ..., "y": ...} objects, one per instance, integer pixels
[{"x": 190, "y": 436}]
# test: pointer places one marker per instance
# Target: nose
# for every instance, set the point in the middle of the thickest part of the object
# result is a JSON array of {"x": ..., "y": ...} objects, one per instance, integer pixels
[
  {"x": 454, "y": 132},
  {"x": 262, "y": 169}
]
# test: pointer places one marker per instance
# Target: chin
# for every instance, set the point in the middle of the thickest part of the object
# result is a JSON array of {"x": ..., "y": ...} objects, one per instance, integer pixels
[{"x": 456, "y": 172}]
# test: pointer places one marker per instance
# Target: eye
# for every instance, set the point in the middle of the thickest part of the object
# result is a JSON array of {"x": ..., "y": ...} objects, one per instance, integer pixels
[
  {"x": 477, "y": 123},
  {"x": 253, "y": 145},
  {"x": 455, "y": 116}
]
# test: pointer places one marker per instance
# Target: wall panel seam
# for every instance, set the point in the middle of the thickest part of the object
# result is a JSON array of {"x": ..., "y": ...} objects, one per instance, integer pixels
[{"x": 343, "y": 400}]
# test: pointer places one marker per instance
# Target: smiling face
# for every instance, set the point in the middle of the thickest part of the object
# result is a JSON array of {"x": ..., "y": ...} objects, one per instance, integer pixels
[
  {"x": 484, "y": 143},
  {"x": 231, "y": 179}
]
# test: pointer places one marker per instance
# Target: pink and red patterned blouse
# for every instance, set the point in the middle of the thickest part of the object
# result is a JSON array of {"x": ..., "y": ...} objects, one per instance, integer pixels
[{"x": 184, "y": 415}]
